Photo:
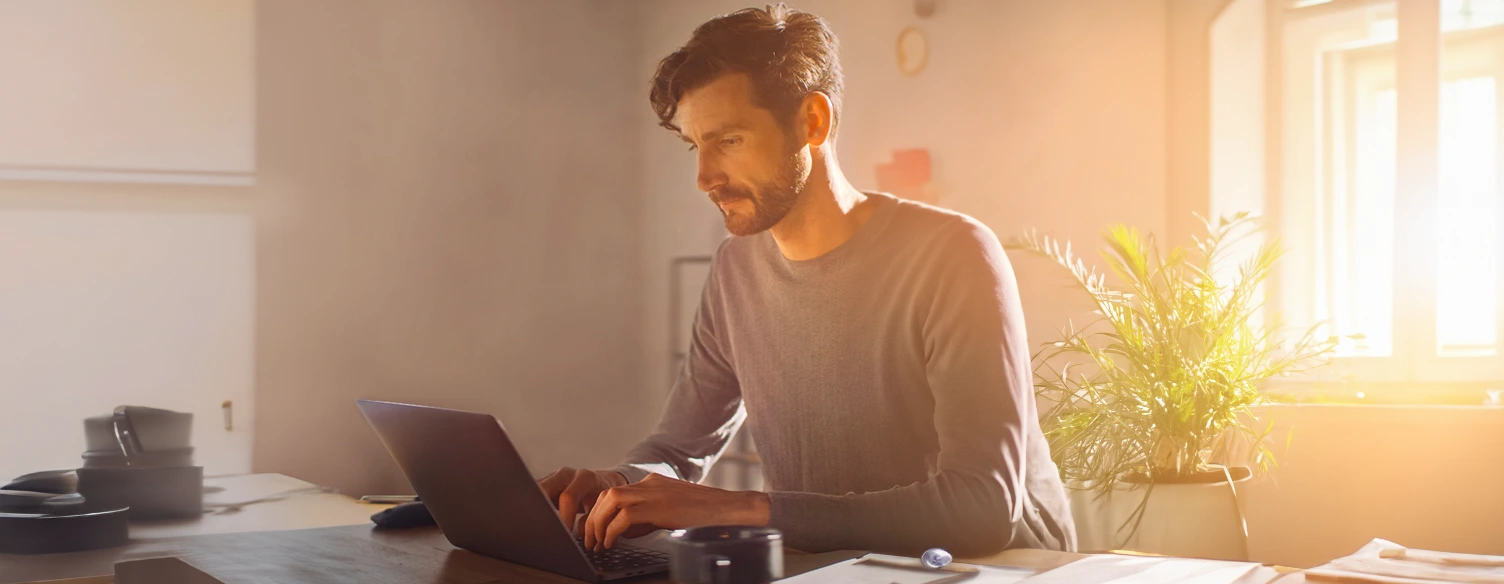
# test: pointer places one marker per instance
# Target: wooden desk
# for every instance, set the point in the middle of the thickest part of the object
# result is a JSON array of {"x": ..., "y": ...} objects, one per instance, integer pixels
[
  {"x": 290, "y": 504},
  {"x": 361, "y": 554},
  {"x": 318, "y": 537}
]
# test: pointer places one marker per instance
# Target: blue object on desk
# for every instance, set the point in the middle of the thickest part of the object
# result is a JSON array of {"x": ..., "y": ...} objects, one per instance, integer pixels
[
  {"x": 413, "y": 514},
  {"x": 936, "y": 558}
]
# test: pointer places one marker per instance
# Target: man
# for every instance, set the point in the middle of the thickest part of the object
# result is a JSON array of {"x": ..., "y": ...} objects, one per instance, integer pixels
[{"x": 874, "y": 346}]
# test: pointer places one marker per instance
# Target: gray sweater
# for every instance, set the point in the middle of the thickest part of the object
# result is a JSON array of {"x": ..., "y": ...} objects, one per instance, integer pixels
[{"x": 886, "y": 384}]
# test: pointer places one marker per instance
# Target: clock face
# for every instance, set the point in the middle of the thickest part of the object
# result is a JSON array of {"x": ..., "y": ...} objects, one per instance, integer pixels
[{"x": 913, "y": 51}]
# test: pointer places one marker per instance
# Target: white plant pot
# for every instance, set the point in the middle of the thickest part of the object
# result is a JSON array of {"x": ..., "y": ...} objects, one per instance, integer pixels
[{"x": 1199, "y": 520}]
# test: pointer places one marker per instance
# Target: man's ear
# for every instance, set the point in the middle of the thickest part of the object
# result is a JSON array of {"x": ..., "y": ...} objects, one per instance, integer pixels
[{"x": 815, "y": 119}]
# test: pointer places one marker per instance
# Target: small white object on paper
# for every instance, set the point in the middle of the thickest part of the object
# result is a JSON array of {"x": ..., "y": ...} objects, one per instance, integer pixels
[
  {"x": 856, "y": 572},
  {"x": 1116, "y": 569}
]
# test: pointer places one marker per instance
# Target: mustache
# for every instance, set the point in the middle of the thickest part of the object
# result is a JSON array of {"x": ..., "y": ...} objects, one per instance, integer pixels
[{"x": 719, "y": 197}]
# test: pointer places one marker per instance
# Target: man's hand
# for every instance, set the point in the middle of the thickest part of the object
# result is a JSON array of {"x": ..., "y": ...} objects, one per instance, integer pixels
[
  {"x": 659, "y": 502},
  {"x": 574, "y": 491}
]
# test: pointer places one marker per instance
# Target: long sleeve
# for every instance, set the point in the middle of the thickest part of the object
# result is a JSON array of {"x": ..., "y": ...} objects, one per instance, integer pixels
[
  {"x": 704, "y": 409},
  {"x": 977, "y": 366}
]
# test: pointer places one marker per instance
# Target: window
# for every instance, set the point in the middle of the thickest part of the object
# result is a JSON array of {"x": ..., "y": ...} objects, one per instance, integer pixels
[{"x": 1392, "y": 228}]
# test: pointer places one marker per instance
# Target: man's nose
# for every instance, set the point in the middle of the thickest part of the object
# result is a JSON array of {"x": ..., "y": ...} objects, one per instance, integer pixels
[{"x": 710, "y": 176}]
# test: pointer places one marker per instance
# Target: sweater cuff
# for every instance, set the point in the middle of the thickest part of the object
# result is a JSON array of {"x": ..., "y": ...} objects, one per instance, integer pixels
[
  {"x": 810, "y": 522},
  {"x": 636, "y": 471}
]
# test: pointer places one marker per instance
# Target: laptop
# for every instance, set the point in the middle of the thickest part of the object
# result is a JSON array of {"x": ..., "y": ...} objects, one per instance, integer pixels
[{"x": 484, "y": 498}]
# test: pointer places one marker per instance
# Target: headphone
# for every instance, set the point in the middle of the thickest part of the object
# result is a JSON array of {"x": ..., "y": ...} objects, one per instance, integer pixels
[
  {"x": 43, "y": 512},
  {"x": 121, "y": 479}
]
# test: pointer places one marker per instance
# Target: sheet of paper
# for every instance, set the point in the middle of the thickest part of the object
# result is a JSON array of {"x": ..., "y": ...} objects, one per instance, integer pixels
[
  {"x": 855, "y": 572},
  {"x": 1114, "y": 569},
  {"x": 1388, "y": 562},
  {"x": 1315, "y": 575}
]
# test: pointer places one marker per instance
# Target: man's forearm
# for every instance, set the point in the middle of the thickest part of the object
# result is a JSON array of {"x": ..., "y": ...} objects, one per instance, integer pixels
[
  {"x": 751, "y": 508},
  {"x": 966, "y": 514},
  {"x": 758, "y": 509}
]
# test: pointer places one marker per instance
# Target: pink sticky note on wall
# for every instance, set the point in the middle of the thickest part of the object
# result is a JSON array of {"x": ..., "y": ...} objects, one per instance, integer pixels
[{"x": 907, "y": 175}]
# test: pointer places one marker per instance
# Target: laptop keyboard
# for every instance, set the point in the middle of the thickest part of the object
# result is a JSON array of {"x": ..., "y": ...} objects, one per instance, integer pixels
[{"x": 622, "y": 557}]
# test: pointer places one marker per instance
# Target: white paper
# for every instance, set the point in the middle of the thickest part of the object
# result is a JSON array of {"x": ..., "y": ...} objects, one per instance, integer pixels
[
  {"x": 855, "y": 572},
  {"x": 1386, "y": 561},
  {"x": 1116, "y": 569}
]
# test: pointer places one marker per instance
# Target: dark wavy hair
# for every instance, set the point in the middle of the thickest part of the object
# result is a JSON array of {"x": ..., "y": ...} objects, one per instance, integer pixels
[{"x": 787, "y": 53}]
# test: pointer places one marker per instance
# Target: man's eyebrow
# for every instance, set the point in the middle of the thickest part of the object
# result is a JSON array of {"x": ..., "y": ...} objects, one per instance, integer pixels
[{"x": 716, "y": 133}]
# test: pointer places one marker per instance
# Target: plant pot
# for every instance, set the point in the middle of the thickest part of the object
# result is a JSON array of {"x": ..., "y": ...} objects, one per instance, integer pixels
[{"x": 1199, "y": 518}]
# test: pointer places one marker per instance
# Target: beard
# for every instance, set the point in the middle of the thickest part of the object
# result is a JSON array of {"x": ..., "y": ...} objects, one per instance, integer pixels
[{"x": 771, "y": 200}]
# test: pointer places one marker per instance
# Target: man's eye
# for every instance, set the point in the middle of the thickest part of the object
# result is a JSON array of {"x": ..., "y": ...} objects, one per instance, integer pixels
[
  {"x": 731, "y": 141},
  {"x": 692, "y": 148}
]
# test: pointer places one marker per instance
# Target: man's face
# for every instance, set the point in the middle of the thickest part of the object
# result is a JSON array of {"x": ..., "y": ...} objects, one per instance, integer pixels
[{"x": 752, "y": 168}]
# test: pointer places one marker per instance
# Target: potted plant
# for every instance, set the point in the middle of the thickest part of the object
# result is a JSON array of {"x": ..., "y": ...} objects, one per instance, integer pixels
[{"x": 1139, "y": 403}]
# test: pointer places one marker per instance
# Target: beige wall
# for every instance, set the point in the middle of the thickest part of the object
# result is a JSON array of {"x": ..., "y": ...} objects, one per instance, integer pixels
[
  {"x": 110, "y": 296},
  {"x": 1188, "y": 103},
  {"x": 448, "y": 214},
  {"x": 1422, "y": 476},
  {"x": 1236, "y": 109},
  {"x": 138, "y": 91},
  {"x": 112, "y": 293}
]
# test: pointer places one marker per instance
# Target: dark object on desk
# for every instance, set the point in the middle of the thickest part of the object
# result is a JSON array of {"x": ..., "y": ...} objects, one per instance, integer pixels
[
  {"x": 48, "y": 481},
  {"x": 138, "y": 465},
  {"x": 161, "y": 571},
  {"x": 727, "y": 554},
  {"x": 413, "y": 514},
  {"x": 139, "y": 436},
  {"x": 47, "y": 492},
  {"x": 28, "y": 502},
  {"x": 41, "y": 513},
  {"x": 170, "y": 492},
  {"x": 485, "y": 499},
  {"x": 141, "y": 458},
  {"x": 50, "y": 534}
]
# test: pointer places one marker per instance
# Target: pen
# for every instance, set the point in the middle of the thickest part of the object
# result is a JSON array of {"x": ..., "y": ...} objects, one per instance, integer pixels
[
  {"x": 388, "y": 499},
  {"x": 957, "y": 573}
]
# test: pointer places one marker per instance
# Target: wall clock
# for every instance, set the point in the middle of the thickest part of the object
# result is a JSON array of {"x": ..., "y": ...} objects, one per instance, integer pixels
[{"x": 913, "y": 51}]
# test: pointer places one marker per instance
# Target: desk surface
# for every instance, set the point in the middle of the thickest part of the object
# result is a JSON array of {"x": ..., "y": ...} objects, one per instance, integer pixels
[
  {"x": 353, "y": 554},
  {"x": 272, "y": 502},
  {"x": 277, "y": 502},
  {"x": 328, "y": 531}
]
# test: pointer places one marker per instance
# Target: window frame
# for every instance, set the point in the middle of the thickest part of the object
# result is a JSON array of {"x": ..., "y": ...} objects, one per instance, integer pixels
[{"x": 1345, "y": 62}]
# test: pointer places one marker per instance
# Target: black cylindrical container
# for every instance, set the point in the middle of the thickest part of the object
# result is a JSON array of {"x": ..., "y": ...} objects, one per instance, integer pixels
[
  {"x": 726, "y": 554},
  {"x": 50, "y": 534},
  {"x": 152, "y": 492},
  {"x": 142, "y": 458}
]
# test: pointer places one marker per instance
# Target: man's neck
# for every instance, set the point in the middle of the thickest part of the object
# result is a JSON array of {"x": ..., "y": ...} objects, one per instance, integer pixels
[{"x": 829, "y": 212}]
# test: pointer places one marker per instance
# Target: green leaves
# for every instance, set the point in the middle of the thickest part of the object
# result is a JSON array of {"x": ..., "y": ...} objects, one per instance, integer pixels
[{"x": 1171, "y": 368}]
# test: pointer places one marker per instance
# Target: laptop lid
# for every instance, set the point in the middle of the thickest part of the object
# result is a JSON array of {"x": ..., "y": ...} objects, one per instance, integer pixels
[{"x": 476, "y": 486}]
